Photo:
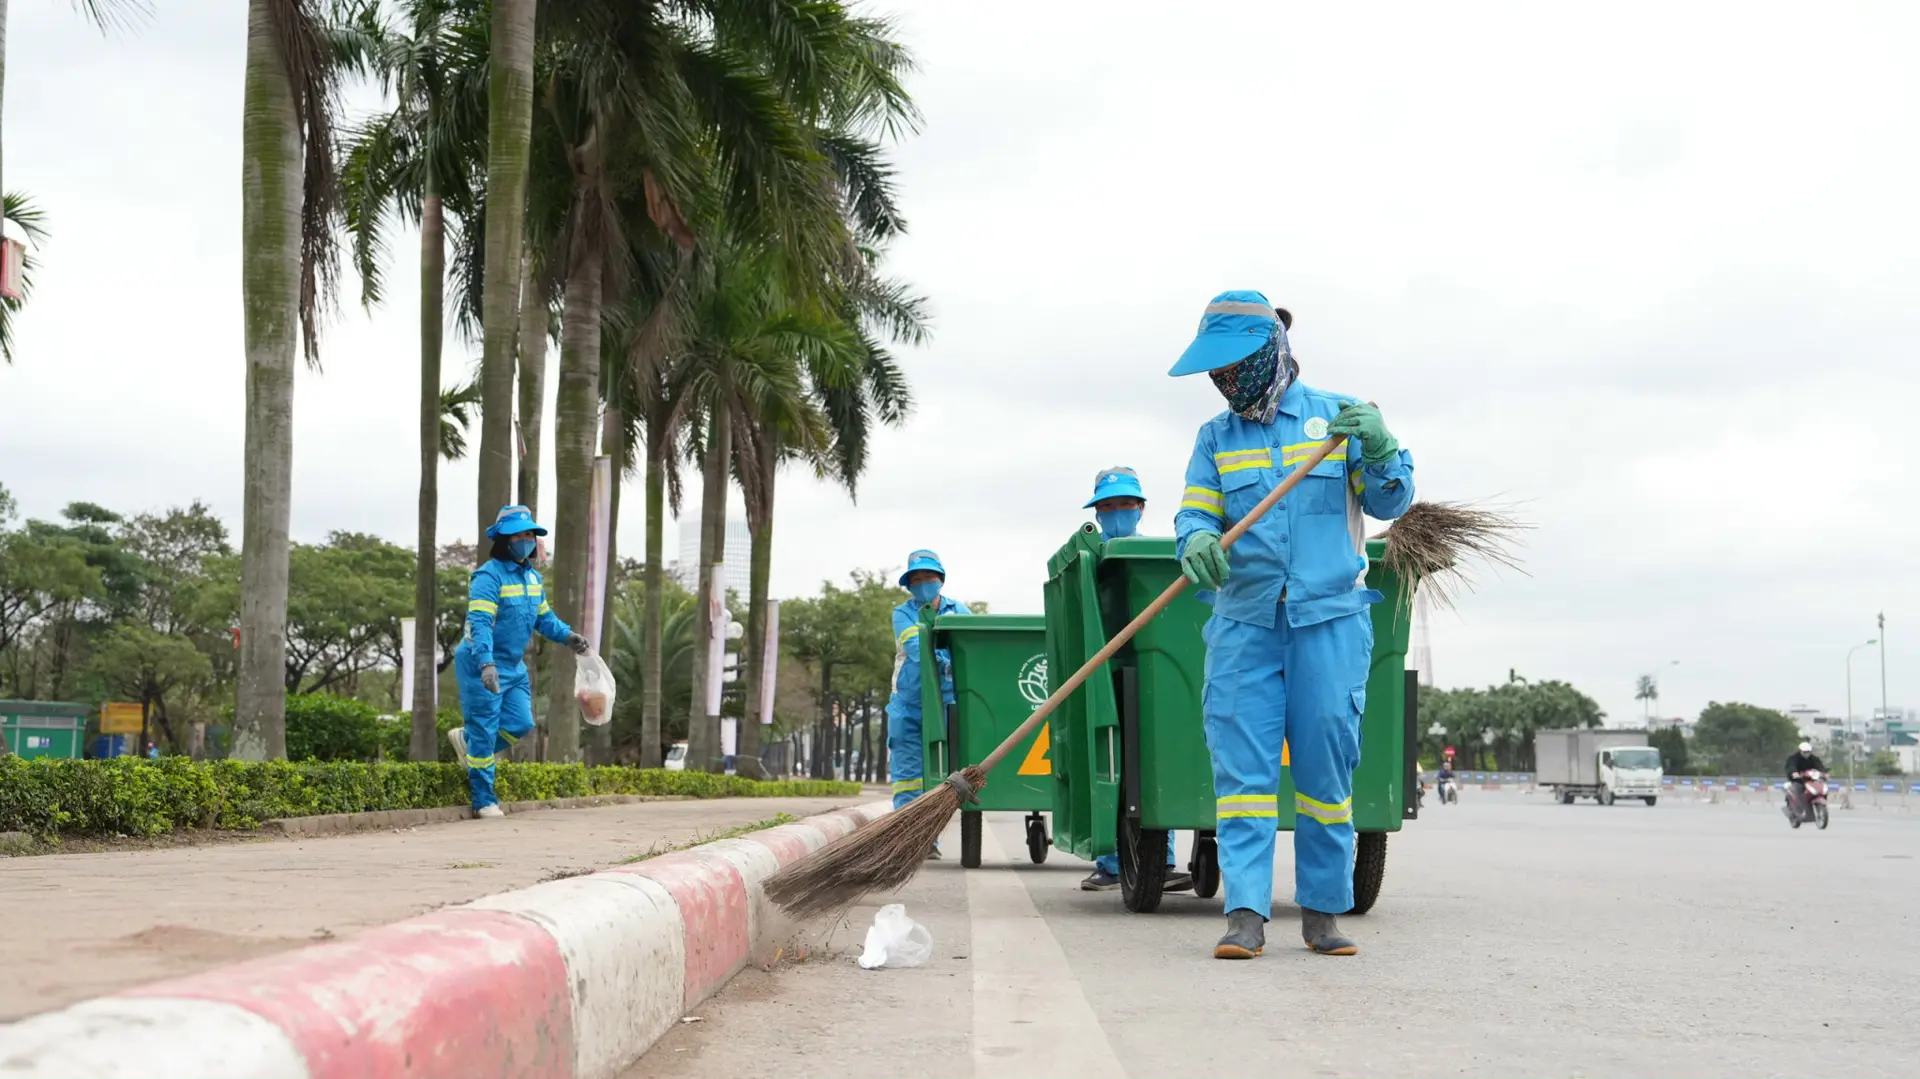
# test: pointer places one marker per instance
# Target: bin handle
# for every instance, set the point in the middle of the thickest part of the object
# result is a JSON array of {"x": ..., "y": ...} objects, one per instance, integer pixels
[{"x": 1159, "y": 604}]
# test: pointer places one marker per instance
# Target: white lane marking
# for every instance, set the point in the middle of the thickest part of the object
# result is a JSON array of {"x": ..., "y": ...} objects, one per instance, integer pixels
[{"x": 1029, "y": 1015}]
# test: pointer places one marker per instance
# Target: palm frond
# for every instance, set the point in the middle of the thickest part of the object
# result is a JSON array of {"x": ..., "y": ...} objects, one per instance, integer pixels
[
  {"x": 20, "y": 209},
  {"x": 111, "y": 15},
  {"x": 458, "y": 407}
]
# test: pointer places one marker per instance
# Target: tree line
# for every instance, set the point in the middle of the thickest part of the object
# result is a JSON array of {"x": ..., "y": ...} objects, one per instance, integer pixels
[{"x": 692, "y": 201}]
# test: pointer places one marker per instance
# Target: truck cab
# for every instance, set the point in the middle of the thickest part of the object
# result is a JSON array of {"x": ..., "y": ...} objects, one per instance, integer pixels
[{"x": 1630, "y": 772}]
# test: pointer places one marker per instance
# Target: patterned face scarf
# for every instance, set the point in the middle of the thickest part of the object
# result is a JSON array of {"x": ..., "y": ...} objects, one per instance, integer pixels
[{"x": 1253, "y": 386}]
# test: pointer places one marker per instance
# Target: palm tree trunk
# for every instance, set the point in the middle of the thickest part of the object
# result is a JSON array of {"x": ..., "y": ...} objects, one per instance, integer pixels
[
  {"x": 760, "y": 569},
  {"x": 613, "y": 443},
  {"x": 425, "y": 744},
  {"x": 575, "y": 431},
  {"x": 650, "y": 663},
  {"x": 270, "y": 208},
  {"x": 703, "y": 741},
  {"x": 509, "y": 131},
  {"x": 533, "y": 381}
]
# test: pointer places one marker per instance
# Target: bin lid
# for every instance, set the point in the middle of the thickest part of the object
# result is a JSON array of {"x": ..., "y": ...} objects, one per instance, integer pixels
[{"x": 992, "y": 623}]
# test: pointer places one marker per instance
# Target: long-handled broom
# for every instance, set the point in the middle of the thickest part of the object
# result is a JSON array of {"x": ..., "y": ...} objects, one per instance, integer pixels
[{"x": 886, "y": 854}]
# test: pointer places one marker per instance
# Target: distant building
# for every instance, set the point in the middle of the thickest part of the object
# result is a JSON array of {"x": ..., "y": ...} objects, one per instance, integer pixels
[
  {"x": 1814, "y": 725},
  {"x": 736, "y": 554}
]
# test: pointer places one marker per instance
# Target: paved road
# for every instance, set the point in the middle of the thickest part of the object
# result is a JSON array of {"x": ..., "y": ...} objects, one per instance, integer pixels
[
  {"x": 1515, "y": 937},
  {"x": 76, "y": 925}
]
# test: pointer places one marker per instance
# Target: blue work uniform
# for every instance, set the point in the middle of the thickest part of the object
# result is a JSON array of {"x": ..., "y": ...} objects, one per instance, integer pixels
[
  {"x": 1290, "y": 640},
  {"x": 506, "y": 603},
  {"x": 903, "y": 707}
]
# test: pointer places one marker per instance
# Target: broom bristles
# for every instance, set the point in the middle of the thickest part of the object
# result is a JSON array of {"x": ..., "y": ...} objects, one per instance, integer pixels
[
  {"x": 1431, "y": 545},
  {"x": 883, "y": 856}
]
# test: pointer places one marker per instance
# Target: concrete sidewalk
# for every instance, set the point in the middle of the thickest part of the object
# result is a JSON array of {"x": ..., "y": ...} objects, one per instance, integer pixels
[{"x": 82, "y": 925}]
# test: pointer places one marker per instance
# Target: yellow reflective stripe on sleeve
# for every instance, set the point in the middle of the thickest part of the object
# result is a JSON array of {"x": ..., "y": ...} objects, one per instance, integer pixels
[
  {"x": 1324, "y": 812},
  {"x": 910, "y": 631},
  {"x": 511, "y": 738},
  {"x": 507, "y": 590},
  {"x": 545, "y": 607},
  {"x": 906, "y": 785},
  {"x": 483, "y": 606},
  {"x": 1203, "y": 498},
  {"x": 1359, "y": 482},
  {"x": 480, "y": 762},
  {"x": 1247, "y": 805}
]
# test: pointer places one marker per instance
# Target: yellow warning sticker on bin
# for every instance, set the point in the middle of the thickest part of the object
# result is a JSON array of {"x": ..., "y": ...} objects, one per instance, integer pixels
[{"x": 1037, "y": 763}]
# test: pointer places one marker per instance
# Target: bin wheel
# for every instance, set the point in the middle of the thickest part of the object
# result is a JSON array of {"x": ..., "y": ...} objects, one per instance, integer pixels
[
  {"x": 1037, "y": 839},
  {"x": 1369, "y": 869},
  {"x": 970, "y": 840},
  {"x": 1205, "y": 867},
  {"x": 1143, "y": 865}
]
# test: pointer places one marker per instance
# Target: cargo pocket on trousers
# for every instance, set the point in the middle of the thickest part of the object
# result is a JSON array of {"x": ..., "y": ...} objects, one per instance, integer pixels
[{"x": 1350, "y": 734}]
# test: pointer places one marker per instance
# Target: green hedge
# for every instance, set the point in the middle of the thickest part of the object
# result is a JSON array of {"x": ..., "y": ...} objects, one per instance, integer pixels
[{"x": 133, "y": 797}]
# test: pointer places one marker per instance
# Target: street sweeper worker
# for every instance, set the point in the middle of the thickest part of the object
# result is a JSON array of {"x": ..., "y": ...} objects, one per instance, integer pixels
[
  {"x": 1117, "y": 504},
  {"x": 923, "y": 579},
  {"x": 506, "y": 603},
  {"x": 1290, "y": 638}
]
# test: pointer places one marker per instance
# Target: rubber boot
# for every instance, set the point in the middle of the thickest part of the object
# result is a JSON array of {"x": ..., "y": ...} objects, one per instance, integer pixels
[
  {"x": 1323, "y": 935},
  {"x": 1246, "y": 936}
]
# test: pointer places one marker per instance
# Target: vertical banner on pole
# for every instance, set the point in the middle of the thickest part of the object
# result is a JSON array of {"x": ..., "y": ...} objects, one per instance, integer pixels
[
  {"x": 769, "y": 661},
  {"x": 717, "y": 643},
  {"x": 406, "y": 662},
  {"x": 599, "y": 531},
  {"x": 729, "y": 737}
]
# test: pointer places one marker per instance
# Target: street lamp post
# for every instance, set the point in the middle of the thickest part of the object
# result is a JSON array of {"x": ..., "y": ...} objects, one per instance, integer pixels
[
  {"x": 1849, "y": 723},
  {"x": 1646, "y": 703}
]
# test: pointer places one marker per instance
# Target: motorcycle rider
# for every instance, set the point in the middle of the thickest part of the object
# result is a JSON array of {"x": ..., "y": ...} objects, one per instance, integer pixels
[
  {"x": 1445, "y": 779},
  {"x": 1804, "y": 760}
]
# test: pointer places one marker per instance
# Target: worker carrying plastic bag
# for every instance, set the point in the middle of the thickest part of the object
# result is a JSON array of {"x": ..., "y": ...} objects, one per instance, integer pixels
[{"x": 1290, "y": 639}]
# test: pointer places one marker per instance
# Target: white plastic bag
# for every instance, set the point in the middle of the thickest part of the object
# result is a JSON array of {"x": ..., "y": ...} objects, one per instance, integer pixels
[
  {"x": 895, "y": 940},
  {"x": 593, "y": 688}
]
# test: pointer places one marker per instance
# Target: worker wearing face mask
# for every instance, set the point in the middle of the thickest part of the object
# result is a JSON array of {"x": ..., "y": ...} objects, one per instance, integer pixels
[
  {"x": 506, "y": 604},
  {"x": 923, "y": 579},
  {"x": 1117, "y": 504},
  {"x": 1290, "y": 639}
]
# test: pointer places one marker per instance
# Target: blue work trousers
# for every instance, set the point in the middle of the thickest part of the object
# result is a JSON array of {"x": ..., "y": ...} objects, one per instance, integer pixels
[
  {"x": 1303, "y": 688},
  {"x": 904, "y": 759},
  {"x": 1110, "y": 863},
  {"x": 495, "y": 721}
]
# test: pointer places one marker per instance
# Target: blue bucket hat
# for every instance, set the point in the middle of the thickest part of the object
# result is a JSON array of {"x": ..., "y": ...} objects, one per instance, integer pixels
[
  {"x": 1115, "y": 482},
  {"x": 920, "y": 560},
  {"x": 512, "y": 521},
  {"x": 1233, "y": 327}
]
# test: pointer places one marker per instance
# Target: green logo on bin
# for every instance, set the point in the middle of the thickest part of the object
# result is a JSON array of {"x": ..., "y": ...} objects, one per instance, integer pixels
[{"x": 1033, "y": 680}]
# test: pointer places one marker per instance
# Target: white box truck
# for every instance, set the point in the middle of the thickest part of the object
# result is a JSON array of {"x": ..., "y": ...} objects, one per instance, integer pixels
[{"x": 1599, "y": 764}]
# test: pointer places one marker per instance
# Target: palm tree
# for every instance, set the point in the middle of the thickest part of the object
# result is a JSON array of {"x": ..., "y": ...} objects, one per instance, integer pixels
[
  {"x": 1647, "y": 690},
  {"x": 105, "y": 14},
  {"x": 417, "y": 161},
  {"x": 289, "y": 206},
  {"x": 20, "y": 210},
  {"x": 627, "y": 656}
]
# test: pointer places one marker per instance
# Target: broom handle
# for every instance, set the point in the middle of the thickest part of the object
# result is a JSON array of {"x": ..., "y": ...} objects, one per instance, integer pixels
[{"x": 1140, "y": 620}]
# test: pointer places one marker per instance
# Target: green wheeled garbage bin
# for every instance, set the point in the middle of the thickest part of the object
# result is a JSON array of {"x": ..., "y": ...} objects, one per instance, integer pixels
[
  {"x": 1130, "y": 751},
  {"x": 999, "y": 678}
]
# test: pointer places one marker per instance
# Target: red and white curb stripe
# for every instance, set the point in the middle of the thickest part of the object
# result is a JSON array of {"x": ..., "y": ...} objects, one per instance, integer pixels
[{"x": 572, "y": 979}]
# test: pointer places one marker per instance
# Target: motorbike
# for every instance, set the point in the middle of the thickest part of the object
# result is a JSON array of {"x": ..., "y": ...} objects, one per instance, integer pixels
[
  {"x": 1813, "y": 806},
  {"x": 1449, "y": 791}
]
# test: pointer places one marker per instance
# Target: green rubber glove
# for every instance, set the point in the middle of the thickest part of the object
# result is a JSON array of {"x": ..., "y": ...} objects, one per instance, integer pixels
[
  {"x": 1364, "y": 422},
  {"x": 1205, "y": 562}
]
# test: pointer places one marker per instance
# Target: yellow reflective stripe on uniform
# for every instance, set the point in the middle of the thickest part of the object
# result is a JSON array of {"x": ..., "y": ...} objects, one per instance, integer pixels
[
  {"x": 1359, "y": 482},
  {"x": 511, "y": 738},
  {"x": 545, "y": 607},
  {"x": 910, "y": 631},
  {"x": 1300, "y": 451},
  {"x": 1324, "y": 812},
  {"x": 483, "y": 605},
  {"x": 1228, "y": 455},
  {"x": 1247, "y": 805},
  {"x": 536, "y": 589},
  {"x": 1203, "y": 498},
  {"x": 480, "y": 762},
  {"x": 1250, "y": 462},
  {"x": 906, "y": 785},
  {"x": 512, "y": 590}
]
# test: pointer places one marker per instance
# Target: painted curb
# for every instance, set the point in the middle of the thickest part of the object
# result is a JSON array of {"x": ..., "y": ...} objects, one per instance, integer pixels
[{"x": 571, "y": 979}]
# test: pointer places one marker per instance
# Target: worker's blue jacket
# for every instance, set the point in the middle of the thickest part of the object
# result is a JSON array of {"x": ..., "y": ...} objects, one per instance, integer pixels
[
  {"x": 1312, "y": 546},
  {"x": 506, "y": 603},
  {"x": 906, "y": 657}
]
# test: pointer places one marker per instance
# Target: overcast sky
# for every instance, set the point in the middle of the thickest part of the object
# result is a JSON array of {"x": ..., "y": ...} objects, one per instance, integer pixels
[{"x": 1647, "y": 270}]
